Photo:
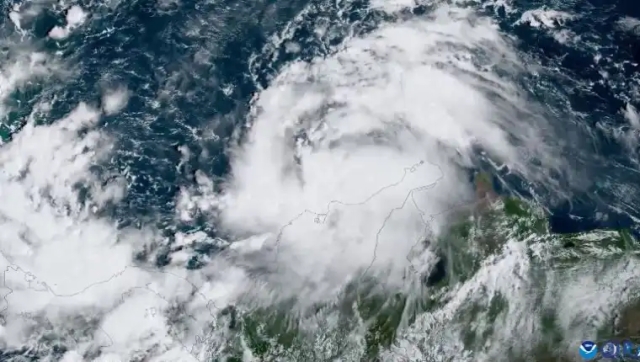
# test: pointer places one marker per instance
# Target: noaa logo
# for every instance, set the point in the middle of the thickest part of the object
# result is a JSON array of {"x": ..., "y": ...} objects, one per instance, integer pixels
[
  {"x": 627, "y": 349},
  {"x": 610, "y": 350},
  {"x": 588, "y": 350}
]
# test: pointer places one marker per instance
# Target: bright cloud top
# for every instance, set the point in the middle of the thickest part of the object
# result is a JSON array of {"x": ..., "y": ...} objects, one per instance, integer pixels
[
  {"x": 64, "y": 265},
  {"x": 324, "y": 173},
  {"x": 347, "y": 159},
  {"x": 75, "y": 17}
]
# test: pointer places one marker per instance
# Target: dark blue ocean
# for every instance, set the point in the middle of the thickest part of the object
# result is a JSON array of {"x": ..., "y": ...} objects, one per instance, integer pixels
[
  {"x": 192, "y": 68},
  {"x": 152, "y": 48}
]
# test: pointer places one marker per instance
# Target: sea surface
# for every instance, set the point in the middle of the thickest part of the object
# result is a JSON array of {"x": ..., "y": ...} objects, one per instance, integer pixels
[{"x": 186, "y": 109}]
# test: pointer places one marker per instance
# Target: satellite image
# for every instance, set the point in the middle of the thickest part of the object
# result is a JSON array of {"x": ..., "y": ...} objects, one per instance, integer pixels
[{"x": 319, "y": 180}]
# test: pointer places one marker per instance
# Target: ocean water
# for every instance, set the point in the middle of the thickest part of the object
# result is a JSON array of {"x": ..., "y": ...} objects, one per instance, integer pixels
[{"x": 176, "y": 157}]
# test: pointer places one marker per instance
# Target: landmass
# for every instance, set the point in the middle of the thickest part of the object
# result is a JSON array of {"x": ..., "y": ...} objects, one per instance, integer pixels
[
  {"x": 481, "y": 231},
  {"x": 368, "y": 320}
]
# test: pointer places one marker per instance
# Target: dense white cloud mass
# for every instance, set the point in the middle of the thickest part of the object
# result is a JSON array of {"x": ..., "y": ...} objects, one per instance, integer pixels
[
  {"x": 59, "y": 260},
  {"x": 113, "y": 101},
  {"x": 75, "y": 17},
  {"x": 348, "y": 160},
  {"x": 68, "y": 272},
  {"x": 339, "y": 145},
  {"x": 21, "y": 67}
]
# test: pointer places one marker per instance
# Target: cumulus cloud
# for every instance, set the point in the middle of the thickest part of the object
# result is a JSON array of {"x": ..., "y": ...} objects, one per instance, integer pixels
[
  {"x": 64, "y": 264},
  {"x": 631, "y": 114},
  {"x": 347, "y": 160},
  {"x": 21, "y": 68},
  {"x": 75, "y": 17},
  {"x": 551, "y": 21},
  {"x": 69, "y": 276},
  {"x": 629, "y": 24},
  {"x": 113, "y": 101}
]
